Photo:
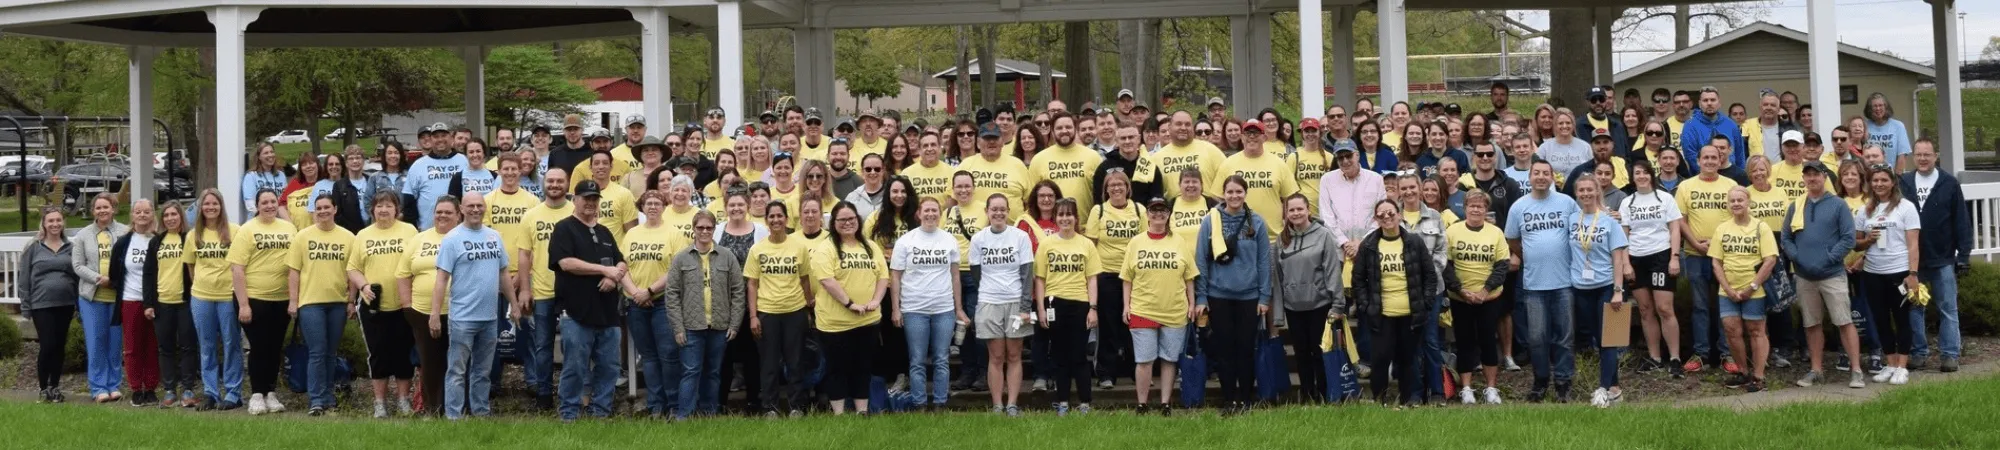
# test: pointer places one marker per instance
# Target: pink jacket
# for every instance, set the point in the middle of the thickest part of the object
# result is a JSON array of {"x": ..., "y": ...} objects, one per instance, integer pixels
[{"x": 1344, "y": 205}]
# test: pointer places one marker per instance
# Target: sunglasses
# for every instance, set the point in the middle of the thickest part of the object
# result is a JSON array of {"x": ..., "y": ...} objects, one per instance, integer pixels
[
  {"x": 1661, "y": 99},
  {"x": 1655, "y": 133},
  {"x": 871, "y": 169},
  {"x": 815, "y": 176},
  {"x": 704, "y": 228},
  {"x": 1879, "y": 167},
  {"x": 1486, "y": 154},
  {"x": 1840, "y": 139},
  {"x": 1385, "y": 216},
  {"x": 1203, "y": 132}
]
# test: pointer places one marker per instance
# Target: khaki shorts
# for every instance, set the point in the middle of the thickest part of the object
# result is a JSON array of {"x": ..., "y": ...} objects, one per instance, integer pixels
[
  {"x": 1825, "y": 298},
  {"x": 991, "y": 321}
]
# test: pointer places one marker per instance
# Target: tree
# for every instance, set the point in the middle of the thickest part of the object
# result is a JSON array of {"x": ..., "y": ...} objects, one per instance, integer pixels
[
  {"x": 1992, "y": 50},
  {"x": 869, "y": 79},
  {"x": 522, "y": 78},
  {"x": 297, "y": 86}
]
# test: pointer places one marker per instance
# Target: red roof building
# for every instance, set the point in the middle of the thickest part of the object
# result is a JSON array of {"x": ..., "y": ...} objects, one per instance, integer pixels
[{"x": 619, "y": 89}]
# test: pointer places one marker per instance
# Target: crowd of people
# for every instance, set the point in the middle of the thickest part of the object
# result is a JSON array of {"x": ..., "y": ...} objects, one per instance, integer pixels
[{"x": 1067, "y": 247}]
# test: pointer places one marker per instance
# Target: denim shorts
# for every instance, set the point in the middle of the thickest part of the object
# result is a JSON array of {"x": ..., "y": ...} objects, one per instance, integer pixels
[
  {"x": 1752, "y": 309},
  {"x": 1164, "y": 343}
]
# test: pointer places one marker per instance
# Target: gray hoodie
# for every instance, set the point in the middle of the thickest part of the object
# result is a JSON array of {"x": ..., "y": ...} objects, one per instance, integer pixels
[{"x": 1308, "y": 274}]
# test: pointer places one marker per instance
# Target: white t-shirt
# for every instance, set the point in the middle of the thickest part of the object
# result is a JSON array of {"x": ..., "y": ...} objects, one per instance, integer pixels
[
  {"x": 1565, "y": 157},
  {"x": 1891, "y": 253},
  {"x": 1649, "y": 216},
  {"x": 928, "y": 261},
  {"x": 135, "y": 268},
  {"x": 1000, "y": 257},
  {"x": 1924, "y": 184}
]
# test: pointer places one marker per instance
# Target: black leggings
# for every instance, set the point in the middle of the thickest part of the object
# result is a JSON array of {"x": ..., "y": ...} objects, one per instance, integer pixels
[
  {"x": 1071, "y": 346},
  {"x": 1306, "y": 329},
  {"x": 1477, "y": 328},
  {"x": 1114, "y": 340},
  {"x": 784, "y": 367},
  {"x": 1232, "y": 350},
  {"x": 743, "y": 351},
  {"x": 1890, "y": 309},
  {"x": 52, "y": 328},
  {"x": 1398, "y": 341},
  {"x": 387, "y": 335},
  {"x": 849, "y": 355},
  {"x": 266, "y": 333},
  {"x": 180, "y": 362},
  {"x": 431, "y": 352}
]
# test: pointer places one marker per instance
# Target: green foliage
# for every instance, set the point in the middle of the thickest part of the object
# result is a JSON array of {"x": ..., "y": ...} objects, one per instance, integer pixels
[
  {"x": 871, "y": 80},
  {"x": 523, "y": 77},
  {"x": 10, "y": 337},
  {"x": 292, "y": 87},
  {"x": 1979, "y": 300},
  {"x": 1982, "y": 117},
  {"x": 74, "y": 358},
  {"x": 62, "y": 78}
]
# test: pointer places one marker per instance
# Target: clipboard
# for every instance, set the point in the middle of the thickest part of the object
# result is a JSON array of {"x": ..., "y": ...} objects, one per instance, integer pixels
[{"x": 1617, "y": 331}]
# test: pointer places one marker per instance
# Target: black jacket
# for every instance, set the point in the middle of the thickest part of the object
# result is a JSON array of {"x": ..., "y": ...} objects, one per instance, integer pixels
[
  {"x": 1420, "y": 271},
  {"x": 348, "y": 201},
  {"x": 150, "y": 290},
  {"x": 1947, "y": 236},
  {"x": 1115, "y": 160}
]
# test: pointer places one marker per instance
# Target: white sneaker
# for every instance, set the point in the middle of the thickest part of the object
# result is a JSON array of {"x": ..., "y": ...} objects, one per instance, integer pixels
[
  {"x": 1510, "y": 366},
  {"x": 1467, "y": 396},
  {"x": 1855, "y": 381},
  {"x": 1902, "y": 376},
  {"x": 271, "y": 403},
  {"x": 1600, "y": 398},
  {"x": 257, "y": 404},
  {"x": 1883, "y": 376},
  {"x": 1492, "y": 395}
]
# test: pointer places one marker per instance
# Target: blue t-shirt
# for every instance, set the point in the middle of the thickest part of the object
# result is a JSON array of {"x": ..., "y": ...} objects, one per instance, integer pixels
[
  {"x": 1603, "y": 235},
  {"x": 430, "y": 178},
  {"x": 482, "y": 181},
  {"x": 474, "y": 258},
  {"x": 260, "y": 181},
  {"x": 320, "y": 188},
  {"x": 1891, "y": 136},
  {"x": 367, "y": 194},
  {"x": 533, "y": 185},
  {"x": 1542, "y": 225},
  {"x": 1520, "y": 178}
]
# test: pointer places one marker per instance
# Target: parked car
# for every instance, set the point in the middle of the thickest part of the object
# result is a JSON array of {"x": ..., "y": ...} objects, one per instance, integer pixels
[
  {"x": 168, "y": 188},
  {"x": 36, "y": 175},
  {"x": 335, "y": 135},
  {"x": 83, "y": 181},
  {"x": 288, "y": 137}
]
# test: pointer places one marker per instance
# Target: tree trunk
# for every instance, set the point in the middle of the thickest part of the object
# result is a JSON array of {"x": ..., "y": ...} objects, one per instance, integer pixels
[
  {"x": 205, "y": 160},
  {"x": 1570, "y": 56},
  {"x": 1138, "y": 48},
  {"x": 1047, "y": 36},
  {"x": 989, "y": 79},
  {"x": 1077, "y": 65},
  {"x": 312, "y": 133},
  {"x": 962, "y": 82}
]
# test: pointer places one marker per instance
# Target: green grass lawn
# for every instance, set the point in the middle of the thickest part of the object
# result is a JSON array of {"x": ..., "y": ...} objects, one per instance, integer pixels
[
  {"x": 1982, "y": 112},
  {"x": 1935, "y": 415},
  {"x": 10, "y": 215}
]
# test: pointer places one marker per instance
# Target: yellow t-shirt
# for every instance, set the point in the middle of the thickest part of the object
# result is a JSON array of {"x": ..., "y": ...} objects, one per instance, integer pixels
[
  {"x": 1473, "y": 254},
  {"x": 1445, "y": 218},
  {"x": 507, "y": 214},
  {"x": 104, "y": 258},
  {"x": 541, "y": 223},
  {"x": 173, "y": 268},
  {"x": 1006, "y": 176},
  {"x": 1171, "y": 159},
  {"x": 1674, "y": 132},
  {"x": 1159, "y": 272},
  {"x": 377, "y": 253},
  {"x": 934, "y": 181},
  {"x": 320, "y": 257},
  {"x": 1855, "y": 204},
  {"x": 795, "y": 197},
  {"x": 1307, "y": 167},
  {"x": 680, "y": 224},
  {"x": 1064, "y": 265},
  {"x": 1705, "y": 204},
  {"x": 858, "y": 148},
  {"x": 858, "y": 270},
  {"x": 811, "y": 152},
  {"x": 617, "y": 206},
  {"x": 716, "y": 144},
  {"x": 296, "y": 205},
  {"x": 649, "y": 253},
  {"x": 621, "y": 164},
  {"x": 419, "y": 264},
  {"x": 778, "y": 268},
  {"x": 212, "y": 280},
  {"x": 623, "y": 152},
  {"x": 1113, "y": 228},
  {"x": 1395, "y": 281},
  {"x": 1790, "y": 179},
  {"x": 1269, "y": 178},
  {"x": 1186, "y": 217},
  {"x": 1769, "y": 206},
  {"x": 261, "y": 248},
  {"x": 1743, "y": 248},
  {"x": 962, "y": 227},
  {"x": 1394, "y": 139},
  {"x": 1072, "y": 169}
]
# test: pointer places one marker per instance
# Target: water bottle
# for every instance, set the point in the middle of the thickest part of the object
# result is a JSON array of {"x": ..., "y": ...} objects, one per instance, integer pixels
[{"x": 958, "y": 333}]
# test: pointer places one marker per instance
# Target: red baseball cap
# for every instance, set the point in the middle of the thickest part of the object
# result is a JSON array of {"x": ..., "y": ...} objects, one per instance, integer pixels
[{"x": 1308, "y": 123}]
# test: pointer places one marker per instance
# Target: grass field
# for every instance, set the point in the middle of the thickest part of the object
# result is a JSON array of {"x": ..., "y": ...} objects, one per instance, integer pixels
[
  {"x": 1938, "y": 415},
  {"x": 1982, "y": 112}
]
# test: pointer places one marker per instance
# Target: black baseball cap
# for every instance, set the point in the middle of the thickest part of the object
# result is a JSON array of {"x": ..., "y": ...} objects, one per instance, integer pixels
[
  {"x": 586, "y": 189},
  {"x": 1157, "y": 204},
  {"x": 1815, "y": 166}
]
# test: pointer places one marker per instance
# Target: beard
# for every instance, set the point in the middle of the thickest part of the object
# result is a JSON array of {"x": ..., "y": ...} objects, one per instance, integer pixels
[{"x": 1065, "y": 140}]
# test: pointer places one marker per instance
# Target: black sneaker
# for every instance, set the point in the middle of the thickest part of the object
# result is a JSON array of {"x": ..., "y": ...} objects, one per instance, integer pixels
[
  {"x": 1949, "y": 365},
  {"x": 1755, "y": 384},
  {"x": 47, "y": 396},
  {"x": 207, "y": 404},
  {"x": 1874, "y": 364},
  {"x": 1537, "y": 394},
  {"x": 1736, "y": 380},
  {"x": 1562, "y": 392},
  {"x": 1919, "y": 363},
  {"x": 1674, "y": 369},
  {"x": 1143, "y": 409},
  {"x": 1166, "y": 410},
  {"x": 545, "y": 403},
  {"x": 316, "y": 411},
  {"x": 979, "y": 385}
]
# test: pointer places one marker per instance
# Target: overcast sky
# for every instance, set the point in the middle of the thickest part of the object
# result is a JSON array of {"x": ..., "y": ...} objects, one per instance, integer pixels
[{"x": 1899, "y": 26}]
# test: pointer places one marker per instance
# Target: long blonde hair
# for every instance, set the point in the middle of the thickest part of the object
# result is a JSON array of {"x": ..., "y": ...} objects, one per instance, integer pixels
[{"x": 220, "y": 224}]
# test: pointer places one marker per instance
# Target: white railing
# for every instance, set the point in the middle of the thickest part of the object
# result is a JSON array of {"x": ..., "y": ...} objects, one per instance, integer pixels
[
  {"x": 1985, "y": 204},
  {"x": 10, "y": 259}
]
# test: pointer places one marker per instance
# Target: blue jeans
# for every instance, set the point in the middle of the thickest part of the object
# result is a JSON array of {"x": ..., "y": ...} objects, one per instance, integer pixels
[
  {"x": 1944, "y": 294},
  {"x": 537, "y": 340},
  {"x": 1699, "y": 271},
  {"x": 659, "y": 356},
  {"x": 592, "y": 365},
  {"x": 322, "y": 324},
  {"x": 221, "y": 349},
  {"x": 1549, "y": 330},
  {"x": 1593, "y": 300},
  {"x": 929, "y": 336},
  {"x": 102, "y": 347},
  {"x": 701, "y": 372},
  {"x": 468, "y": 382},
  {"x": 1433, "y": 354}
]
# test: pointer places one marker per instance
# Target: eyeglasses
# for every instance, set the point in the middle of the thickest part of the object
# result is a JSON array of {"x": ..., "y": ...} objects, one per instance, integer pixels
[
  {"x": 1203, "y": 132},
  {"x": 1879, "y": 167},
  {"x": 848, "y": 219},
  {"x": 815, "y": 176}
]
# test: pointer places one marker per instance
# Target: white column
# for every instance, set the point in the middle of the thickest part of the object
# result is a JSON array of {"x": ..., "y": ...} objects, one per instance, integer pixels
[
  {"x": 229, "y": 116},
  {"x": 1823, "y": 63},
  {"x": 1602, "y": 20},
  {"x": 1343, "y": 57},
  {"x": 1950, "y": 101},
  {"x": 656, "y": 85},
  {"x": 812, "y": 64},
  {"x": 729, "y": 60},
  {"x": 1250, "y": 72},
  {"x": 475, "y": 88},
  {"x": 1394, "y": 49},
  {"x": 140, "y": 72},
  {"x": 1312, "y": 62}
]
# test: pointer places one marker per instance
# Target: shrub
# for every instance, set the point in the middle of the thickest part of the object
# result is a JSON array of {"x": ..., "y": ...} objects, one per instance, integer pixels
[
  {"x": 74, "y": 359},
  {"x": 1979, "y": 300},
  {"x": 10, "y": 337}
]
